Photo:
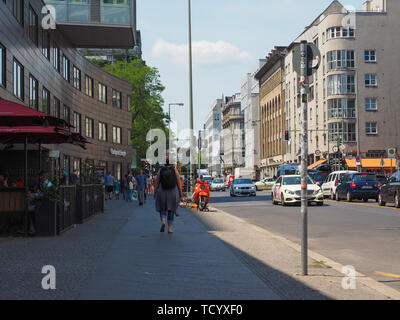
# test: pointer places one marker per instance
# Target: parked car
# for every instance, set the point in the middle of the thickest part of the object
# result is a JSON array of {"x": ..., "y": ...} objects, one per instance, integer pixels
[
  {"x": 265, "y": 184},
  {"x": 319, "y": 177},
  {"x": 362, "y": 186},
  {"x": 242, "y": 187},
  {"x": 287, "y": 189},
  {"x": 330, "y": 184},
  {"x": 217, "y": 185},
  {"x": 382, "y": 179},
  {"x": 390, "y": 191}
]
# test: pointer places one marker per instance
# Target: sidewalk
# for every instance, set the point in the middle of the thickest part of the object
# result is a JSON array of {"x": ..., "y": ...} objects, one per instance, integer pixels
[{"x": 122, "y": 255}]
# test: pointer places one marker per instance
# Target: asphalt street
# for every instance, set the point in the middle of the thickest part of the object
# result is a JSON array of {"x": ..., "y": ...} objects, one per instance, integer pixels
[{"x": 359, "y": 234}]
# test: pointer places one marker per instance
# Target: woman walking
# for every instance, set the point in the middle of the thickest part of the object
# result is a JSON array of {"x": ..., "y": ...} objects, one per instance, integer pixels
[{"x": 167, "y": 193}]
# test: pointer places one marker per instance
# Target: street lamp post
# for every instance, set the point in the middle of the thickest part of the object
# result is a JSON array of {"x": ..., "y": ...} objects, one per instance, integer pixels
[
  {"x": 169, "y": 115},
  {"x": 190, "y": 91}
]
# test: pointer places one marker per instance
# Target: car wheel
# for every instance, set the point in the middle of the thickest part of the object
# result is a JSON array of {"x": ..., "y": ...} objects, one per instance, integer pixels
[
  {"x": 349, "y": 199},
  {"x": 380, "y": 200},
  {"x": 397, "y": 200},
  {"x": 337, "y": 196},
  {"x": 283, "y": 203}
]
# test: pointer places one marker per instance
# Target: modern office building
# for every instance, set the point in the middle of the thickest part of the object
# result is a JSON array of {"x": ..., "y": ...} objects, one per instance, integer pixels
[
  {"x": 272, "y": 111},
  {"x": 42, "y": 69},
  {"x": 233, "y": 137},
  {"x": 213, "y": 128},
  {"x": 353, "y": 96},
  {"x": 250, "y": 102}
]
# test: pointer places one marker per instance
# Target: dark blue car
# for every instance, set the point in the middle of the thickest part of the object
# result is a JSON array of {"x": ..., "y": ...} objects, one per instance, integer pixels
[{"x": 361, "y": 186}]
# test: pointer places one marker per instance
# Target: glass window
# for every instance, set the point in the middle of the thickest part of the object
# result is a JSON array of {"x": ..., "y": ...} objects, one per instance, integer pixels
[
  {"x": 46, "y": 44},
  {"x": 370, "y": 80},
  {"x": 2, "y": 66},
  {"x": 371, "y": 128},
  {"x": 341, "y": 108},
  {"x": 89, "y": 128},
  {"x": 56, "y": 57},
  {"x": 129, "y": 100},
  {"x": 102, "y": 93},
  {"x": 117, "y": 135},
  {"x": 344, "y": 131},
  {"x": 371, "y": 104},
  {"x": 33, "y": 92},
  {"x": 116, "y": 99},
  {"x": 67, "y": 114},
  {"x": 77, "y": 78},
  {"x": 115, "y": 11},
  {"x": 340, "y": 32},
  {"x": 341, "y": 84},
  {"x": 18, "y": 80},
  {"x": 56, "y": 108},
  {"x": 89, "y": 86},
  {"x": 66, "y": 68},
  {"x": 370, "y": 56},
  {"x": 79, "y": 10},
  {"x": 33, "y": 25},
  {"x": 45, "y": 101},
  {"x": 17, "y": 8},
  {"x": 102, "y": 131},
  {"x": 77, "y": 122}
]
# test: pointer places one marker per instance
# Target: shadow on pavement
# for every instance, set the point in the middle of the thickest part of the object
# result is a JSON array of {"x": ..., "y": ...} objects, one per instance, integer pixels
[{"x": 240, "y": 199}]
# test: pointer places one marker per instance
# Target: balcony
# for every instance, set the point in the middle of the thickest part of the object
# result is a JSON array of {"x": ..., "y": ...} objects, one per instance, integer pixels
[{"x": 97, "y": 23}]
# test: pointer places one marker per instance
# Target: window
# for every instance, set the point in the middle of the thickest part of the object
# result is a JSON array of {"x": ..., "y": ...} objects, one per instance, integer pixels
[
  {"x": 66, "y": 68},
  {"x": 102, "y": 131},
  {"x": 77, "y": 78},
  {"x": 17, "y": 8},
  {"x": 102, "y": 93},
  {"x": 340, "y": 59},
  {"x": 370, "y": 128},
  {"x": 33, "y": 25},
  {"x": 67, "y": 114},
  {"x": 56, "y": 108},
  {"x": 18, "y": 80},
  {"x": 370, "y": 56},
  {"x": 129, "y": 103},
  {"x": 56, "y": 57},
  {"x": 89, "y": 86},
  {"x": 341, "y": 84},
  {"x": 340, "y": 32},
  {"x": 342, "y": 130},
  {"x": 45, "y": 101},
  {"x": 129, "y": 137},
  {"x": 116, "y": 99},
  {"x": 77, "y": 122},
  {"x": 371, "y": 104},
  {"x": 33, "y": 92},
  {"x": 370, "y": 80},
  {"x": 341, "y": 108},
  {"x": 46, "y": 44},
  {"x": 2, "y": 66},
  {"x": 117, "y": 135},
  {"x": 89, "y": 128}
]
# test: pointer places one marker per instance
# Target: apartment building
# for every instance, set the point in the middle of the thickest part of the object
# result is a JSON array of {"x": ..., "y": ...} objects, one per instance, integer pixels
[
  {"x": 213, "y": 128},
  {"x": 353, "y": 96},
  {"x": 272, "y": 111},
  {"x": 233, "y": 137},
  {"x": 250, "y": 102}
]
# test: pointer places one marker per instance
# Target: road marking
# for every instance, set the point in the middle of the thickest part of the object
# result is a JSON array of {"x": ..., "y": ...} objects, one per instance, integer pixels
[
  {"x": 363, "y": 205},
  {"x": 390, "y": 275}
]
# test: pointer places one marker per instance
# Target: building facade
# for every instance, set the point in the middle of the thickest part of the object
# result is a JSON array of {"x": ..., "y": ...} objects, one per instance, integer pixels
[
  {"x": 213, "y": 128},
  {"x": 41, "y": 69},
  {"x": 353, "y": 96},
  {"x": 272, "y": 111},
  {"x": 250, "y": 101},
  {"x": 233, "y": 136}
]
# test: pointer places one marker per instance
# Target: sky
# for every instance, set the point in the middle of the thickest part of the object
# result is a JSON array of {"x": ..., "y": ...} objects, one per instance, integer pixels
[{"x": 228, "y": 36}]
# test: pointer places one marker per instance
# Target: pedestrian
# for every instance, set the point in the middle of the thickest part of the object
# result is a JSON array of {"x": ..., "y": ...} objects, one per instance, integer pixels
[
  {"x": 168, "y": 194},
  {"x": 117, "y": 187},
  {"x": 73, "y": 178},
  {"x": 64, "y": 177},
  {"x": 124, "y": 187},
  {"x": 131, "y": 186},
  {"x": 141, "y": 187},
  {"x": 109, "y": 185},
  {"x": 149, "y": 183}
]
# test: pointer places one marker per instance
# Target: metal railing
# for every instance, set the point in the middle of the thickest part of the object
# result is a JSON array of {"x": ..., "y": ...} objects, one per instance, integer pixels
[{"x": 90, "y": 201}]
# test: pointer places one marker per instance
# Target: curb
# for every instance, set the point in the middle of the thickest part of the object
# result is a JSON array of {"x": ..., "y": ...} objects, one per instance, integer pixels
[{"x": 367, "y": 281}]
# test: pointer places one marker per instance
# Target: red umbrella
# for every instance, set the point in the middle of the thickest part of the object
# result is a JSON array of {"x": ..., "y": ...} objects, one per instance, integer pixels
[{"x": 16, "y": 115}]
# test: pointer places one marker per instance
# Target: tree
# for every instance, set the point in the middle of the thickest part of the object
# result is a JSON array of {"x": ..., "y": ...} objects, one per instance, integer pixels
[{"x": 146, "y": 100}]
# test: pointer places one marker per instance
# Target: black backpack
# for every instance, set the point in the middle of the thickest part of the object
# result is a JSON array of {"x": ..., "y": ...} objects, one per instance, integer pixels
[{"x": 168, "y": 178}]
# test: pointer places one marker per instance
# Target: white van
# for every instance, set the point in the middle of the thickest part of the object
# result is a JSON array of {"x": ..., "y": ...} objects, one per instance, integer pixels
[{"x": 329, "y": 187}]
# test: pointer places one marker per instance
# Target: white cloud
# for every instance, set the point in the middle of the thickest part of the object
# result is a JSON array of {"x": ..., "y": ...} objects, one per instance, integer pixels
[{"x": 204, "y": 52}]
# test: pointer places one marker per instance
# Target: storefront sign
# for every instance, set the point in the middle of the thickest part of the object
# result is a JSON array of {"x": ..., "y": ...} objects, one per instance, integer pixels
[
  {"x": 118, "y": 153},
  {"x": 55, "y": 154}
]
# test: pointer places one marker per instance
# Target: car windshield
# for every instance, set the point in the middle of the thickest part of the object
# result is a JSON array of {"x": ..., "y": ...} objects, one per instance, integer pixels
[
  {"x": 218, "y": 181},
  {"x": 364, "y": 177},
  {"x": 242, "y": 181},
  {"x": 289, "y": 181},
  {"x": 320, "y": 177}
]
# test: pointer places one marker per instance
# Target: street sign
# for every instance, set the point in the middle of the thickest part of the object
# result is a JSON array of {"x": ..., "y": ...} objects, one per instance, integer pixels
[
  {"x": 313, "y": 58},
  {"x": 335, "y": 149},
  {"x": 317, "y": 153},
  {"x": 392, "y": 153},
  {"x": 342, "y": 147}
]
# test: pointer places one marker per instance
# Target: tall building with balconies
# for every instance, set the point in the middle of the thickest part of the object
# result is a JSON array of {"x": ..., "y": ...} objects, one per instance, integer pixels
[
  {"x": 213, "y": 128},
  {"x": 353, "y": 96}
]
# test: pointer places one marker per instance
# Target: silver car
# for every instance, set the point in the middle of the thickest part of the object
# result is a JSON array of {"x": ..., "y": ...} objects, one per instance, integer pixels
[
  {"x": 217, "y": 185},
  {"x": 242, "y": 187}
]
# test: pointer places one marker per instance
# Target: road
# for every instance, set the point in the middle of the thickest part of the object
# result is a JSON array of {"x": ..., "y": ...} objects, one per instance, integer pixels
[{"x": 360, "y": 234}]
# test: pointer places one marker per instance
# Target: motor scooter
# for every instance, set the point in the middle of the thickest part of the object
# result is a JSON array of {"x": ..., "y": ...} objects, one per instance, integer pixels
[{"x": 201, "y": 195}]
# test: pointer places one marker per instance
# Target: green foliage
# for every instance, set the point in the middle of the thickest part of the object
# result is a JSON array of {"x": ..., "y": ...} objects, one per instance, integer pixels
[
  {"x": 146, "y": 100},
  {"x": 50, "y": 193}
]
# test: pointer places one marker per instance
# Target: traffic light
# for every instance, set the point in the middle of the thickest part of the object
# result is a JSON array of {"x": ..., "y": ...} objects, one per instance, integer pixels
[
  {"x": 287, "y": 135},
  {"x": 344, "y": 163}
]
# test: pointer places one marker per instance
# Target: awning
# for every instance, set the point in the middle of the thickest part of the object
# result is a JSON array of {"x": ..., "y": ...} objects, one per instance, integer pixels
[
  {"x": 372, "y": 163},
  {"x": 16, "y": 115},
  {"x": 316, "y": 164}
]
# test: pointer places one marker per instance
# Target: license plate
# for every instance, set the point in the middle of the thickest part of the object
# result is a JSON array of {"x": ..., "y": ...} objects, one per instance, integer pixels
[{"x": 367, "y": 187}]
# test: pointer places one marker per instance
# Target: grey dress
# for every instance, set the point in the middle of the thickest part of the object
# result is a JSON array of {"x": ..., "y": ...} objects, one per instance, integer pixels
[{"x": 167, "y": 200}]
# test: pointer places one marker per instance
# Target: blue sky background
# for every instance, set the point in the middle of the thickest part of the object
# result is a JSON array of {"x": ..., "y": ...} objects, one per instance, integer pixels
[{"x": 249, "y": 30}]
